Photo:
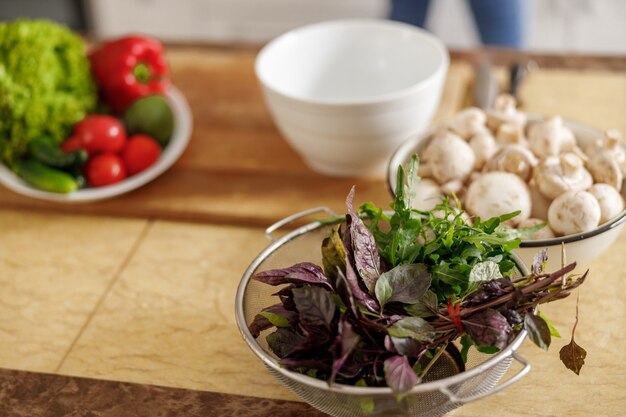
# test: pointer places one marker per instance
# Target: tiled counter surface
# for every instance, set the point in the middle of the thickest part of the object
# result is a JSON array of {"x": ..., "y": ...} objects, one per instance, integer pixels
[{"x": 143, "y": 300}]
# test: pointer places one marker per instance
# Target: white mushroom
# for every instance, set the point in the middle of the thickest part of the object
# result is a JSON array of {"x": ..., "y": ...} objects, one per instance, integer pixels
[
  {"x": 539, "y": 202},
  {"x": 610, "y": 200},
  {"x": 468, "y": 122},
  {"x": 611, "y": 143},
  {"x": 574, "y": 212},
  {"x": 516, "y": 159},
  {"x": 511, "y": 133},
  {"x": 497, "y": 193},
  {"x": 544, "y": 233},
  {"x": 550, "y": 137},
  {"x": 456, "y": 187},
  {"x": 605, "y": 169},
  {"x": 448, "y": 157},
  {"x": 484, "y": 146},
  {"x": 558, "y": 174},
  {"x": 427, "y": 195},
  {"x": 505, "y": 111}
]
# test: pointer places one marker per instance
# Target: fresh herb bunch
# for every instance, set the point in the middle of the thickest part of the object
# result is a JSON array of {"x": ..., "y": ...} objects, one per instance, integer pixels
[{"x": 394, "y": 290}]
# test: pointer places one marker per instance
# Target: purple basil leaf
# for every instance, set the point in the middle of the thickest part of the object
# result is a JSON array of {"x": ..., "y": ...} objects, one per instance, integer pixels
[
  {"x": 347, "y": 340},
  {"x": 302, "y": 273},
  {"x": 539, "y": 261},
  {"x": 513, "y": 317},
  {"x": 315, "y": 305},
  {"x": 491, "y": 289},
  {"x": 573, "y": 356},
  {"x": 399, "y": 374},
  {"x": 284, "y": 341},
  {"x": 407, "y": 346},
  {"x": 405, "y": 284},
  {"x": 280, "y": 316},
  {"x": 320, "y": 363},
  {"x": 488, "y": 328},
  {"x": 359, "y": 295},
  {"x": 414, "y": 327},
  {"x": 344, "y": 292},
  {"x": 351, "y": 368},
  {"x": 315, "y": 337},
  {"x": 538, "y": 330},
  {"x": 259, "y": 324},
  {"x": 366, "y": 256},
  {"x": 347, "y": 337},
  {"x": 425, "y": 307},
  {"x": 389, "y": 346}
]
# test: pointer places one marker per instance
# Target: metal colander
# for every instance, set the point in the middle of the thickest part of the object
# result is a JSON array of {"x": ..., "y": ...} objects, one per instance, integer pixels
[{"x": 449, "y": 383}]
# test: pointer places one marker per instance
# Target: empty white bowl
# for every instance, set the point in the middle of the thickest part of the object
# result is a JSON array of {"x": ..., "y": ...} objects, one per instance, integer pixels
[{"x": 346, "y": 93}]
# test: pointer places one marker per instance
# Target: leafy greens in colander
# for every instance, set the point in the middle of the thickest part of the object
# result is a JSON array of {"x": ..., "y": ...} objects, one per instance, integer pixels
[{"x": 395, "y": 289}]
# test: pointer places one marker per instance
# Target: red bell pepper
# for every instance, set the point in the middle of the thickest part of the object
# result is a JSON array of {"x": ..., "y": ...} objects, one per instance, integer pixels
[{"x": 129, "y": 68}]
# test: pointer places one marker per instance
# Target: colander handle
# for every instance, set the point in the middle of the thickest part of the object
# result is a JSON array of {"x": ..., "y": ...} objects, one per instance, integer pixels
[
  {"x": 464, "y": 400},
  {"x": 296, "y": 216}
]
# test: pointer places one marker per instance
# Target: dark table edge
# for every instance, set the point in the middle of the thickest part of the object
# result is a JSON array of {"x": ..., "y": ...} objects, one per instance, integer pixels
[{"x": 34, "y": 394}]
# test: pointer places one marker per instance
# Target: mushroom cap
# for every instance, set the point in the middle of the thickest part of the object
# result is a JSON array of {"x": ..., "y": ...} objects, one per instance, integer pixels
[
  {"x": 610, "y": 200},
  {"x": 516, "y": 159},
  {"x": 604, "y": 168},
  {"x": 449, "y": 157},
  {"x": 484, "y": 146},
  {"x": 510, "y": 133},
  {"x": 427, "y": 195},
  {"x": 557, "y": 174},
  {"x": 468, "y": 122},
  {"x": 544, "y": 233},
  {"x": 574, "y": 212},
  {"x": 550, "y": 137},
  {"x": 497, "y": 193},
  {"x": 504, "y": 111},
  {"x": 611, "y": 143}
]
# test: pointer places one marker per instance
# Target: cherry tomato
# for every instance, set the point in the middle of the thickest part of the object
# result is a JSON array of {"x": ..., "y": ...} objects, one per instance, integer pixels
[
  {"x": 105, "y": 169},
  {"x": 140, "y": 152},
  {"x": 101, "y": 133},
  {"x": 71, "y": 144}
]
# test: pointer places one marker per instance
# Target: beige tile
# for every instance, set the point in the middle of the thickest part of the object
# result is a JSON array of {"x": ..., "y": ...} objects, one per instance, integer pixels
[
  {"x": 594, "y": 97},
  {"x": 53, "y": 270},
  {"x": 169, "y": 319}
]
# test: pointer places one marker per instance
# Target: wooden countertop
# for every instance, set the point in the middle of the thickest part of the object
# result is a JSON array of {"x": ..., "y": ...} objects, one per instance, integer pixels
[{"x": 139, "y": 289}]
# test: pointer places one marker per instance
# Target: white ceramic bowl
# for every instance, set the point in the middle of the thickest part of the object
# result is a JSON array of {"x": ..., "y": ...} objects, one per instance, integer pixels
[
  {"x": 580, "y": 247},
  {"x": 346, "y": 93},
  {"x": 171, "y": 153}
]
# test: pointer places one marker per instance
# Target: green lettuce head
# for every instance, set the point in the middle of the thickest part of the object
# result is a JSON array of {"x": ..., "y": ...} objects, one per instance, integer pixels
[{"x": 45, "y": 84}]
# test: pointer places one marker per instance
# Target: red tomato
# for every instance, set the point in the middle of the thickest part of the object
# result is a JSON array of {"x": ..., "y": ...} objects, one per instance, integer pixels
[
  {"x": 101, "y": 133},
  {"x": 140, "y": 152},
  {"x": 71, "y": 144},
  {"x": 105, "y": 169}
]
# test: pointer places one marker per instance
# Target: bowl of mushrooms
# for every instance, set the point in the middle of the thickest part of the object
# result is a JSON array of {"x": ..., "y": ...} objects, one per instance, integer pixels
[{"x": 559, "y": 173}]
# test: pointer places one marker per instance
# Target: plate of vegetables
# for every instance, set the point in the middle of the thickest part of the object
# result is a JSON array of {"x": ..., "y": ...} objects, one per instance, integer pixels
[{"x": 81, "y": 127}]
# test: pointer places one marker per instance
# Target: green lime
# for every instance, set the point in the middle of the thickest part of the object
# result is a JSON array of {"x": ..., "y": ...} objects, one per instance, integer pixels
[{"x": 150, "y": 115}]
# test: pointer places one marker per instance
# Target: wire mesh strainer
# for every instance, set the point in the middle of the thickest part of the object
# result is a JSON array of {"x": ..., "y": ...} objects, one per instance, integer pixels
[{"x": 449, "y": 383}]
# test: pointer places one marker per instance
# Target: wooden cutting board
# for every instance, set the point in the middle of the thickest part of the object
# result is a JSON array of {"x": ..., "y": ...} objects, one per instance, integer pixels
[{"x": 238, "y": 169}]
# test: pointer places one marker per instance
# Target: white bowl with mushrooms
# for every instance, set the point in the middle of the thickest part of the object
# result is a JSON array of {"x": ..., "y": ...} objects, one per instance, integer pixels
[{"x": 556, "y": 172}]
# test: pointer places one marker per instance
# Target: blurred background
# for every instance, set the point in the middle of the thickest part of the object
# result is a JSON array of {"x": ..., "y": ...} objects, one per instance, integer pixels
[{"x": 568, "y": 26}]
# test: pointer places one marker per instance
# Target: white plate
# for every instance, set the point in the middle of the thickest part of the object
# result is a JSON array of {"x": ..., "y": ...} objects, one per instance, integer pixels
[{"x": 173, "y": 150}]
